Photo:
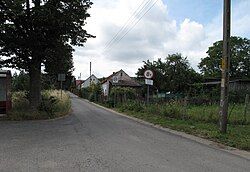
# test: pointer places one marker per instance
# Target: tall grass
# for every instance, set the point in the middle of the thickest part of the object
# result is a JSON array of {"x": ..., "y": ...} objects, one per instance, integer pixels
[
  {"x": 63, "y": 103},
  {"x": 52, "y": 106},
  {"x": 178, "y": 110},
  {"x": 199, "y": 120}
]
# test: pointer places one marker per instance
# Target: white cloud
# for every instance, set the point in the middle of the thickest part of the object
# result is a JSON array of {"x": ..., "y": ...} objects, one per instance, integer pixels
[{"x": 156, "y": 35}]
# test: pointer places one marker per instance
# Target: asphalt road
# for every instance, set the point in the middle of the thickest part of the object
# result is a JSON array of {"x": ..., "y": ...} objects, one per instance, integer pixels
[{"x": 93, "y": 139}]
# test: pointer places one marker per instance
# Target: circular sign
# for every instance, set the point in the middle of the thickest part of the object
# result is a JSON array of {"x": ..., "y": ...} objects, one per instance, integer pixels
[
  {"x": 115, "y": 79},
  {"x": 149, "y": 74}
]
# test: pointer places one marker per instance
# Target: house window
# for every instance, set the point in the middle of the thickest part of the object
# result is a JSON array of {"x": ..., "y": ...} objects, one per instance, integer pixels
[{"x": 121, "y": 74}]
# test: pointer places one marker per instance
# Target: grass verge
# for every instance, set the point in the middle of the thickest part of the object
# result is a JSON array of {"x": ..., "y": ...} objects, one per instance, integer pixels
[
  {"x": 238, "y": 136},
  {"x": 52, "y": 106}
]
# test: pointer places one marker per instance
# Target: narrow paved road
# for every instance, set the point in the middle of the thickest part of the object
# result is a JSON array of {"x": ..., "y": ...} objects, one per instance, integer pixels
[{"x": 93, "y": 139}]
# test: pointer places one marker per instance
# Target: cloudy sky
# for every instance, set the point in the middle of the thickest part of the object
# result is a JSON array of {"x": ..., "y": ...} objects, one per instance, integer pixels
[{"x": 170, "y": 26}]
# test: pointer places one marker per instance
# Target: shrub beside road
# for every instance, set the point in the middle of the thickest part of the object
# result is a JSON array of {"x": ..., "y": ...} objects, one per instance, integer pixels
[{"x": 52, "y": 106}]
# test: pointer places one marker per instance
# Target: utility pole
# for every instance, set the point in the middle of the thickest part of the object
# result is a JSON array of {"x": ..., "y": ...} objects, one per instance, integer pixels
[
  {"x": 225, "y": 66},
  {"x": 90, "y": 73},
  {"x": 147, "y": 94}
]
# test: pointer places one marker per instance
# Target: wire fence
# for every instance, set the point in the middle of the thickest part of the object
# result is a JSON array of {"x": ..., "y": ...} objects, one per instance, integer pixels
[{"x": 198, "y": 107}]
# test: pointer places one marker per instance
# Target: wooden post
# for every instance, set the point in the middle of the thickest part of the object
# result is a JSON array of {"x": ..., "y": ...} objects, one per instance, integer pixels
[
  {"x": 185, "y": 106},
  {"x": 61, "y": 90},
  {"x": 225, "y": 67},
  {"x": 245, "y": 108},
  {"x": 147, "y": 94}
]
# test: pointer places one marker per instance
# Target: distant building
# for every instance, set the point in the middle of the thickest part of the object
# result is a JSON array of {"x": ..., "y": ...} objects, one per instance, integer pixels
[
  {"x": 90, "y": 80},
  {"x": 120, "y": 79},
  {"x": 79, "y": 84},
  {"x": 234, "y": 85}
]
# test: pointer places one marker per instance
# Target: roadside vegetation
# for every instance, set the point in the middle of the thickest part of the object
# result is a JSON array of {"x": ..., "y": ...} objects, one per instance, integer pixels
[
  {"x": 51, "y": 106},
  {"x": 197, "y": 115},
  {"x": 199, "y": 120}
]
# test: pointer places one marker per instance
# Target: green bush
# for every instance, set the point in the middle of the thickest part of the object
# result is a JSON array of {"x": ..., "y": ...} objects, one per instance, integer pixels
[
  {"x": 122, "y": 94},
  {"x": 173, "y": 110},
  {"x": 154, "y": 109},
  {"x": 238, "y": 96},
  {"x": 131, "y": 106},
  {"x": 91, "y": 93},
  {"x": 52, "y": 105},
  {"x": 20, "y": 100},
  {"x": 178, "y": 110},
  {"x": 48, "y": 105}
]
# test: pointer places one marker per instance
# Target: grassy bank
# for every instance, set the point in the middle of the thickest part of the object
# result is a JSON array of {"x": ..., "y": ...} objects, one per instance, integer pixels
[
  {"x": 197, "y": 120},
  {"x": 52, "y": 106}
]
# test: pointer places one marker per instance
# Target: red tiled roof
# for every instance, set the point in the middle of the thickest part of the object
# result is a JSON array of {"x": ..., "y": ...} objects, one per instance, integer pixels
[{"x": 78, "y": 82}]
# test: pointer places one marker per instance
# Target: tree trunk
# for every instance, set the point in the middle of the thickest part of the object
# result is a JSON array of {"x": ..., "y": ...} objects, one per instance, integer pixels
[{"x": 35, "y": 84}]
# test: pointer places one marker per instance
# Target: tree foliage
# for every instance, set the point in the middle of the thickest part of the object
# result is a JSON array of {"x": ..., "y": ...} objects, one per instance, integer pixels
[
  {"x": 20, "y": 82},
  {"x": 122, "y": 94},
  {"x": 38, "y": 32},
  {"x": 60, "y": 62},
  {"x": 240, "y": 59},
  {"x": 172, "y": 75}
]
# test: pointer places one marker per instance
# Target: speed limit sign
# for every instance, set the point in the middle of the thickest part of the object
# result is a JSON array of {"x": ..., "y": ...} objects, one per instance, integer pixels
[{"x": 149, "y": 74}]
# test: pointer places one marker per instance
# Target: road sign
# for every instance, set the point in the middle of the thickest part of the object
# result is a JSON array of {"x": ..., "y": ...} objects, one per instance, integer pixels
[
  {"x": 149, "y": 74},
  {"x": 61, "y": 77},
  {"x": 149, "y": 82},
  {"x": 115, "y": 79},
  {"x": 3, "y": 75}
]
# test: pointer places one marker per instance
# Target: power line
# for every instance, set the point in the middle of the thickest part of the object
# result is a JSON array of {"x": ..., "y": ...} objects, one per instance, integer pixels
[
  {"x": 126, "y": 24},
  {"x": 129, "y": 21},
  {"x": 110, "y": 47},
  {"x": 146, "y": 7}
]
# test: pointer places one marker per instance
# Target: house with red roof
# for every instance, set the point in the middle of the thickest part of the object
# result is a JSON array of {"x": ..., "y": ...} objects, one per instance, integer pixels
[{"x": 120, "y": 79}]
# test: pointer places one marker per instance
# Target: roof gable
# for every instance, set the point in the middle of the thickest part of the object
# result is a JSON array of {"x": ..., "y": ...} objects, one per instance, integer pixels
[{"x": 124, "y": 79}]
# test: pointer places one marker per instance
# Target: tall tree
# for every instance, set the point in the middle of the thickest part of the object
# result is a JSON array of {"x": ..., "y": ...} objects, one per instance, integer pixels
[
  {"x": 31, "y": 29},
  {"x": 62, "y": 56},
  {"x": 158, "y": 68},
  {"x": 174, "y": 74},
  {"x": 179, "y": 74},
  {"x": 240, "y": 59}
]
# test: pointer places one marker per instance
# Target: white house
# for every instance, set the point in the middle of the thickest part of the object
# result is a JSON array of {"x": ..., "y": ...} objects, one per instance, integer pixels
[{"x": 92, "y": 79}]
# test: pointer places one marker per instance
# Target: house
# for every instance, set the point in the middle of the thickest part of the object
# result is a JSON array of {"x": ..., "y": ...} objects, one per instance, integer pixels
[
  {"x": 90, "y": 80},
  {"x": 120, "y": 79},
  {"x": 79, "y": 84}
]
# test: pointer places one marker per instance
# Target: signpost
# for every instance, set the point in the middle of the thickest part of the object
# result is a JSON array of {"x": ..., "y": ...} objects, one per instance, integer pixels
[
  {"x": 61, "y": 78},
  {"x": 149, "y": 82},
  {"x": 148, "y": 74},
  {"x": 115, "y": 80}
]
